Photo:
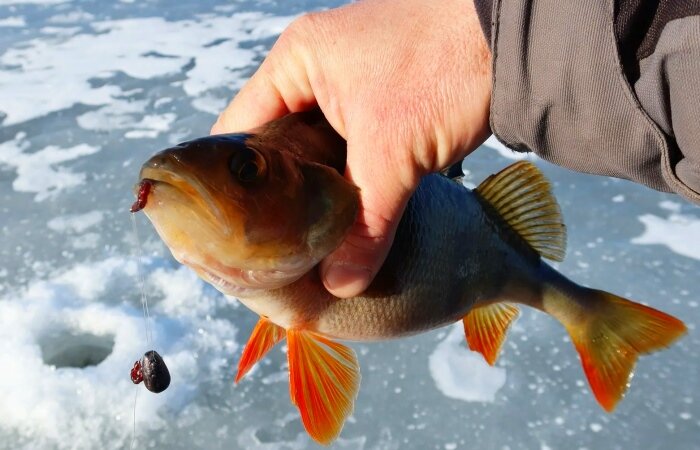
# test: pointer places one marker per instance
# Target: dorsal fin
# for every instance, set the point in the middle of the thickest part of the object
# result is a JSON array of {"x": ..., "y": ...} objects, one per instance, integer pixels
[{"x": 522, "y": 197}]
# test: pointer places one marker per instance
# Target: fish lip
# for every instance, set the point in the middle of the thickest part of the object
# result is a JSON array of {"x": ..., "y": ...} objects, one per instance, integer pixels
[{"x": 160, "y": 175}]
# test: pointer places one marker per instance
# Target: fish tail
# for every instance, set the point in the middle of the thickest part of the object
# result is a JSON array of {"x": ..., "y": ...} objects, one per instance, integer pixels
[{"x": 609, "y": 333}]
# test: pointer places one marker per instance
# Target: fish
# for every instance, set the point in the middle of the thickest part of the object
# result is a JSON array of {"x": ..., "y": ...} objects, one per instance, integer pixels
[{"x": 253, "y": 214}]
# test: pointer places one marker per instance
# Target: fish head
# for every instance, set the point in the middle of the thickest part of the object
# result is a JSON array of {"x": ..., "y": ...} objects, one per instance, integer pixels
[{"x": 246, "y": 214}]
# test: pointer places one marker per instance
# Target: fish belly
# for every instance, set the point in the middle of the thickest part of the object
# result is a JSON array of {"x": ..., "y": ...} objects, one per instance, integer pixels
[{"x": 448, "y": 256}]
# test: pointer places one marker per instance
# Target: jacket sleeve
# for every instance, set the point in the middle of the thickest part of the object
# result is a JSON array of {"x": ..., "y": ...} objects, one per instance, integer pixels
[{"x": 610, "y": 87}]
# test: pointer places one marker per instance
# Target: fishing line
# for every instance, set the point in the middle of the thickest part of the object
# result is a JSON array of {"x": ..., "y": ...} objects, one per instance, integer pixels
[
  {"x": 144, "y": 306},
  {"x": 133, "y": 434},
  {"x": 150, "y": 369},
  {"x": 142, "y": 282}
]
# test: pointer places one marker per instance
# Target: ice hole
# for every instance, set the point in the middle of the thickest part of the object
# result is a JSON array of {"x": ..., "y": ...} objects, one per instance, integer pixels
[{"x": 68, "y": 348}]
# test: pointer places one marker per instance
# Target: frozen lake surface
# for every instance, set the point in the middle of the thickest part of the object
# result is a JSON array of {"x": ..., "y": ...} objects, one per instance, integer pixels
[{"x": 88, "y": 90}]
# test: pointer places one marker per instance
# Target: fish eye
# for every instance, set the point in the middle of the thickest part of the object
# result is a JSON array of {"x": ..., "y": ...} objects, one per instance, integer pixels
[{"x": 246, "y": 166}]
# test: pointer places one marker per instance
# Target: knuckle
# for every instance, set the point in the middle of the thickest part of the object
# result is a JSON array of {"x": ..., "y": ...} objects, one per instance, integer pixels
[
  {"x": 308, "y": 31},
  {"x": 299, "y": 31}
]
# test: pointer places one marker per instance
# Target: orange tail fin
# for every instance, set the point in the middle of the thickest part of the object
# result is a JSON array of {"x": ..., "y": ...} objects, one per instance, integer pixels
[{"x": 610, "y": 337}]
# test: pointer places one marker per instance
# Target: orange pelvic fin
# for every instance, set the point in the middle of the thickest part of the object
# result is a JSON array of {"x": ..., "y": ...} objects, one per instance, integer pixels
[
  {"x": 265, "y": 335},
  {"x": 485, "y": 328},
  {"x": 610, "y": 341},
  {"x": 324, "y": 379}
]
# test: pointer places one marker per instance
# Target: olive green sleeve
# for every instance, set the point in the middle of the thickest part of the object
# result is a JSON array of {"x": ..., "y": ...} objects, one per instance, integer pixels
[{"x": 606, "y": 87}]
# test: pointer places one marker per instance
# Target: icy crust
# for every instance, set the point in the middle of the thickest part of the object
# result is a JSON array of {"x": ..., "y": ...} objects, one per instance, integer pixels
[
  {"x": 30, "y": 2},
  {"x": 462, "y": 374},
  {"x": 51, "y": 73},
  {"x": 13, "y": 21},
  {"x": 42, "y": 172},
  {"x": 679, "y": 232},
  {"x": 53, "y": 405},
  {"x": 494, "y": 143}
]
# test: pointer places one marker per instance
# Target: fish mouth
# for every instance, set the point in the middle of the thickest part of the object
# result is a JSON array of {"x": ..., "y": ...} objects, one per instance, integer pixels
[{"x": 157, "y": 173}]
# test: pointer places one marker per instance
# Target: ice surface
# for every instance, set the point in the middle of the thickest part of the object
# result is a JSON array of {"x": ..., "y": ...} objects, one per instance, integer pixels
[
  {"x": 76, "y": 222},
  {"x": 53, "y": 73},
  {"x": 678, "y": 232},
  {"x": 39, "y": 172},
  {"x": 89, "y": 90},
  {"x": 13, "y": 21},
  {"x": 494, "y": 143},
  {"x": 463, "y": 374},
  {"x": 74, "y": 407},
  {"x": 122, "y": 115},
  {"x": 31, "y": 2}
]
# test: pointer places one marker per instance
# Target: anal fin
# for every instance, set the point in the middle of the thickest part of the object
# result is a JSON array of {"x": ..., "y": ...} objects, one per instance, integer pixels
[
  {"x": 264, "y": 336},
  {"x": 485, "y": 328},
  {"x": 324, "y": 379}
]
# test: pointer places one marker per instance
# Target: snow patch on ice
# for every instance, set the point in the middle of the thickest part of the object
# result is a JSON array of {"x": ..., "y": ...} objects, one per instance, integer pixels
[
  {"x": 619, "y": 198},
  {"x": 72, "y": 17},
  {"x": 670, "y": 206},
  {"x": 13, "y": 21},
  {"x": 210, "y": 104},
  {"x": 249, "y": 440},
  {"x": 461, "y": 374},
  {"x": 678, "y": 232},
  {"x": 59, "y": 31},
  {"x": 39, "y": 172},
  {"x": 504, "y": 151},
  {"x": 50, "y": 73},
  {"x": 91, "y": 407},
  {"x": 76, "y": 223},
  {"x": 33, "y": 2},
  {"x": 123, "y": 115}
]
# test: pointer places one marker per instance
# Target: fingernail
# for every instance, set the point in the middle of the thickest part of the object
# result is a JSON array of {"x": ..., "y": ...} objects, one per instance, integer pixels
[{"x": 346, "y": 280}]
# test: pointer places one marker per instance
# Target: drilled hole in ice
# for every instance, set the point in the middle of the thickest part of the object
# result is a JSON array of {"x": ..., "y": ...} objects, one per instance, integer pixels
[{"x": 68, "y": 348}]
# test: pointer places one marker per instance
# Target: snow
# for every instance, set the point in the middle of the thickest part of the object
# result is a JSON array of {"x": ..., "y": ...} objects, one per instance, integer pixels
[
  {"x": 76, "y": 223},
  {"x": 30, "y": 2},
  {"x": 13, "y": 21},
  {"x": 50, "y": 74},
  {"x": 74, "y": 407},
  {"x": 462, "y": 374},
  {"x": 42, "y": 172},
  {"x": 505, "y": 152},
  {"x": 680, "y": 233}
]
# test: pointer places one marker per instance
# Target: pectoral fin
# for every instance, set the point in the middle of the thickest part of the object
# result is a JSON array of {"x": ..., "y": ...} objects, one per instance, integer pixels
[
  {"x": 324, "y": 379},
  {"x": 485, "y": 328},
  {"x": 265, "y": 335}
]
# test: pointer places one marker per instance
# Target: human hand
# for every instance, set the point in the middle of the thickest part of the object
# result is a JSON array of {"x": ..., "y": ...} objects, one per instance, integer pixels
[{"x": 406, "y": 83}]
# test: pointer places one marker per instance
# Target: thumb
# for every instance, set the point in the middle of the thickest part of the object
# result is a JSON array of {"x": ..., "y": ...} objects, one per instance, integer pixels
[{"x": 350, "y": 269}]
